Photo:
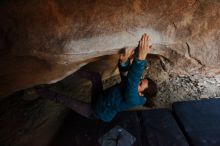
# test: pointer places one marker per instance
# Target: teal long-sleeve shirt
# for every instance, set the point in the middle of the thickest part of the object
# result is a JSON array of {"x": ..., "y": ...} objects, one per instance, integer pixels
[{"x": 121, "y": 96}]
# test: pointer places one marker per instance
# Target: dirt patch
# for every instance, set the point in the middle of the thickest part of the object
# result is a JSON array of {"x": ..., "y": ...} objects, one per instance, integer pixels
[{"x": 184, "y": 88}]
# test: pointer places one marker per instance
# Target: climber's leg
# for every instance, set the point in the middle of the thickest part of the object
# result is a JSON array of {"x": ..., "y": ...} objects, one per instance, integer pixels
[
  {"x": 95, "y": 78},
  {"x": 80, "y": 107}
]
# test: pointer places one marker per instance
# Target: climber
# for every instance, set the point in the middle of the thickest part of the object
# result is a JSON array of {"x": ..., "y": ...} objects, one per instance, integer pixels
[{"x": 131, "y": 92}]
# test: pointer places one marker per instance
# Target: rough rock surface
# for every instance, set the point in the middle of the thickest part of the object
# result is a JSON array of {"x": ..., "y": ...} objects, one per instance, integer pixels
[
  {"x": 45, "y": 41},
  {"x": 25, "y": 123}
]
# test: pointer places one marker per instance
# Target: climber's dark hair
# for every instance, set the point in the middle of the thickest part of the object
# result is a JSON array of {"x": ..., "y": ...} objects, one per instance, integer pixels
[{"x": 150, "y": 92}]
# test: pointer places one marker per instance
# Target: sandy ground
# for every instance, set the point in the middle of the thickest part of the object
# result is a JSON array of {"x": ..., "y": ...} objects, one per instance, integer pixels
[{"x": 193, "y": 87}]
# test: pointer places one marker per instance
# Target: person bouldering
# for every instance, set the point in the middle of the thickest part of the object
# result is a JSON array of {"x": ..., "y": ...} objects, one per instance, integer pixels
[{"x": 132, "y": 91}]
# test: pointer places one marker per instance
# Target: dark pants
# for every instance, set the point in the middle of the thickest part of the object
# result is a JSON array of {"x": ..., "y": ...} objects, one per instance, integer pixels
[
  {"x": 97, "y": 86},
  {"x": 80, "y": 107}
]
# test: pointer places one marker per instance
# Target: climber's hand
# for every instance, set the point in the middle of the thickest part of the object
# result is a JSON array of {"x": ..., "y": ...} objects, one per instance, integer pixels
[
  {"x": 144, "y": 47},
  {"x": 128, "y": 52}
]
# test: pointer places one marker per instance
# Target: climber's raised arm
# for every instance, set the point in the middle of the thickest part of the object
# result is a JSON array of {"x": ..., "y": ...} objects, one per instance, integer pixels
[{"x": 135, "y": 72}]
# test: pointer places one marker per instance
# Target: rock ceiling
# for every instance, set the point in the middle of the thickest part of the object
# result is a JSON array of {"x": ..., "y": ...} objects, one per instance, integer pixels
[{"x": 45, "y": 41}]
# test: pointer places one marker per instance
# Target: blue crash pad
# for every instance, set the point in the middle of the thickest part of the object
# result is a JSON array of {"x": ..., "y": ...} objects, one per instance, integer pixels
[
  {"x": 200, "y": 121},
  {"x": 149, "y": 128},
  {"x": 161, "y": 129}
]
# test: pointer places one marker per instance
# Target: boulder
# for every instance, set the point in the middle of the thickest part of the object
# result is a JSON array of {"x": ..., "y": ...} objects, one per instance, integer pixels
[{"x": 42, "y": 42}]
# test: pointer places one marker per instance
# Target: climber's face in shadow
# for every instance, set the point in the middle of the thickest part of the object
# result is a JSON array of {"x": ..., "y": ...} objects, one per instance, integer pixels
[{"x": 142, "y": 86}]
